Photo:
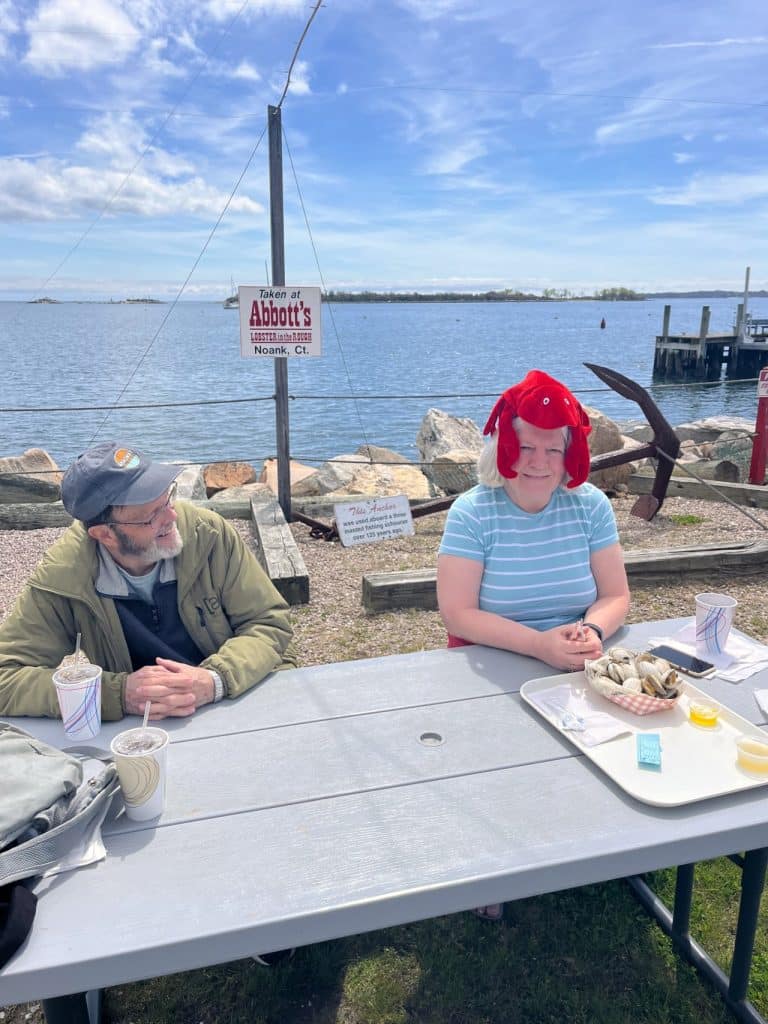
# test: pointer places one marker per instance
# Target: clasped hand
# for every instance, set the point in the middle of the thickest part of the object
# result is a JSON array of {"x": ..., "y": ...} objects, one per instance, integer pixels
[
  {"x": 174, "y": 689},
  {"x": 568, "y": 647}
]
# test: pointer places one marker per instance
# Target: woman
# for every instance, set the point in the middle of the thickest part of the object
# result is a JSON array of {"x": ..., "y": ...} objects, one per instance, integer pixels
[
  {"x": 533, "y": 548},
  {"x": 530, "y": 559}
]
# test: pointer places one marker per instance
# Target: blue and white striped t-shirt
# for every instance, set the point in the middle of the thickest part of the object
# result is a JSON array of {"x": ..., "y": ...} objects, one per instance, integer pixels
[{"x": 536, "y": 564}]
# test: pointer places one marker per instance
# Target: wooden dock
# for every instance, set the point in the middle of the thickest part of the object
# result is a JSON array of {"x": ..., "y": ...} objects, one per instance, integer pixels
[{"x": 702, "y": 356}]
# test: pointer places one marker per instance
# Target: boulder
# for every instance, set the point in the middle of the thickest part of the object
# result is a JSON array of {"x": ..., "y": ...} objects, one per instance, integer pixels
[
  {"x": 32, "y": 476},
  {"x": 390, "y": 473},
  {"x": 454, "y": 471},
  {"x": 220, "y": 475},
  {"x": 711, "y": 428},
  {"x": 606, "y": 437},
  {"x": 298, "y": 472},
  {"x": 449, "y": 448},
  {"x": 244, "y": 492},
  {"x": 191, "y": 485}
]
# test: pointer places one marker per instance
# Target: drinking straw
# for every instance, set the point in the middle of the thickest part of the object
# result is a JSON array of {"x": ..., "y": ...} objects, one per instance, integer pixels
[
  {"x": 77, "y": 648},
  {"x": 146, "y": 714}
]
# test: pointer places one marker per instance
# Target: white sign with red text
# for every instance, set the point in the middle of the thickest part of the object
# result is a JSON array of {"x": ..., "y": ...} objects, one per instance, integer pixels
[
  {"x": 762, "y": 383},
  {"x": 372, "y": 519},
  {"x": 282, "y": 320}
]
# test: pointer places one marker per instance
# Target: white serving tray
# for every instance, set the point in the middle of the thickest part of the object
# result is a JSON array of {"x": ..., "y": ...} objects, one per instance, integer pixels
[{"x": 696, "y": 763}]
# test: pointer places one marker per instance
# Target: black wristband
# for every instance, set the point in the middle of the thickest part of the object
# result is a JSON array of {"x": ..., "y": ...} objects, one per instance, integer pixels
[{"x": 594, "y": 628}]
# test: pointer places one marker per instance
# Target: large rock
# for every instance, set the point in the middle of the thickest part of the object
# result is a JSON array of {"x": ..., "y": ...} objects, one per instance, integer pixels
[
  {"x": 32, "y": 476},
  {"x": 449, "y": 448},
  {"x": 191, "y": 484},
  {"x": 220, "y": 475},
  {"x": 390, "y": 473},
  {"x": 712, "y": 427},
  {"x": 606, "y": 437},
  {"x": 244, "y": 492},
  {"x": 298, "y": 472}
]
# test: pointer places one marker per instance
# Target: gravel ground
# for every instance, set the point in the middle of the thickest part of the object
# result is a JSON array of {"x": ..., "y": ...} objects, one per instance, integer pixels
[{"x": 335, "y": 627}]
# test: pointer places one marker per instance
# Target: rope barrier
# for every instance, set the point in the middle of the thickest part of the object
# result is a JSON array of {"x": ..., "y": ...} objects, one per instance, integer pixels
[{"x": 313, "y": 398}]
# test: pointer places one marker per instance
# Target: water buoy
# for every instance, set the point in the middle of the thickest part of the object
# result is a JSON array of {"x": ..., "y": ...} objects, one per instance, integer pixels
[{"x": 602, "y": 324}]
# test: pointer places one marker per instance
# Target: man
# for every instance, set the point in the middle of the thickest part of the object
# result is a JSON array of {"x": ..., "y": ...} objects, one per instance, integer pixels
[{"x": 168, "y": 599}]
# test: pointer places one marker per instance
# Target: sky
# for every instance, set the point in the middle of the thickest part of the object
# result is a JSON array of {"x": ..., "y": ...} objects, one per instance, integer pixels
[{"x": 428, "y": 145}]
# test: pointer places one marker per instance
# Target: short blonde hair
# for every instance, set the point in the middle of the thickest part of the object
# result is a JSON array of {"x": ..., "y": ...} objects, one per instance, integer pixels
[{"x": 487, "y": 464}]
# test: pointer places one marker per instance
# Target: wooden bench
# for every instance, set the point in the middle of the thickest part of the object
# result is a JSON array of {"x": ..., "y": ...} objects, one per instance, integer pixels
[
  {"x": 277, "y": 550},
  {"x": 383, "y": 591}
]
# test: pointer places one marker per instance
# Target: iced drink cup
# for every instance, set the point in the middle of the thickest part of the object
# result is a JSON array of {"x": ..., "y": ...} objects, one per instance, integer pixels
[
  {"x": 141, "y": 757},
  {"x": 714, "y": 618},
  {"x": 78, "y": 688}
]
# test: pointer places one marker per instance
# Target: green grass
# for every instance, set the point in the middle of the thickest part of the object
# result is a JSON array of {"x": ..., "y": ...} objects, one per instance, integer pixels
[
  {"x": 688, "y": 519},
  {"x": 584, "y": 956}
]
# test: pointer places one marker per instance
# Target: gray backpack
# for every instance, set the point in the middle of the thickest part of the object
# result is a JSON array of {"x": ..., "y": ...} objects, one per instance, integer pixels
[{"x": 47, "y": 810}]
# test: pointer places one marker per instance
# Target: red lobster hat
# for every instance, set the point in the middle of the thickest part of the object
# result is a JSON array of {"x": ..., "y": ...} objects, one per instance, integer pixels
[{"x": 546, "y": 403}]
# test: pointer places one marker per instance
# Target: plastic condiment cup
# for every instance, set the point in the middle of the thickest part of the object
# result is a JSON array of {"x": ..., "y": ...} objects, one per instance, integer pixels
[
  {"x": 78, "y": 688},
  {"x": 752, "y": 754},
  {"x": 703, "y": 713},
  {"x": 141, "y": 757}
]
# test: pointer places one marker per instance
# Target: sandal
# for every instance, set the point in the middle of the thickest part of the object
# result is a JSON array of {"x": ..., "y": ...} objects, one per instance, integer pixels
[{"x": 491, "y": 912}]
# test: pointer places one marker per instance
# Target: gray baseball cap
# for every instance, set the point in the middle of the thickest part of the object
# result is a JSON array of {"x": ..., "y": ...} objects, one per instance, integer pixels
[{"x": 113, "y": 474}]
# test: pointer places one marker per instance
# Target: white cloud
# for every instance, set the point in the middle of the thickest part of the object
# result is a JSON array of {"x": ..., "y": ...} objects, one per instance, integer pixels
[
  {"x": 72, "y": 34},
  {"x": 703, "y": 189},
  {"x": 119, "y": 141},
  {"x": 683, "y": 158},
  {"x": 223, "y": 10},
  {"x": 246, "y": 71},
  {"x": 455, "y": 158},
  {"x": 8, "y": 24},
  {"x": 707, "y": 43},
  {"x": 50, "y": 190}
]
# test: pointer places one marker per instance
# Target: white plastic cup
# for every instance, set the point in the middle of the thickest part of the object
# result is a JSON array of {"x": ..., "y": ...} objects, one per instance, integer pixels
[
  {"x": 714, "y": 618},
  {"x": 141, "y": 757},
  {"x": 79, "y": 693}
]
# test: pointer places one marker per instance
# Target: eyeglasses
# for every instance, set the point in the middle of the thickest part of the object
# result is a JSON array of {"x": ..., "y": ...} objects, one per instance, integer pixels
[{"x": 154, "y": 519}]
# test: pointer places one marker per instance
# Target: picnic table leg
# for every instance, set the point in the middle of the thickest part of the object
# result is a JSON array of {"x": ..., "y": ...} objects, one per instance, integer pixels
[
  {"x": 681, "y": 914},
  {"x": 752, "y": 883},
  {"x": 78, "y": 1008}
]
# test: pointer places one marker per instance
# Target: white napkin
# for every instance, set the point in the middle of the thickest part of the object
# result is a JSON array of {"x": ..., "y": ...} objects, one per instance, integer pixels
[
  {"x": 761, "y": 696},
  {"x": 599, "y": 727},
  {"x": 742, "y": 656}
]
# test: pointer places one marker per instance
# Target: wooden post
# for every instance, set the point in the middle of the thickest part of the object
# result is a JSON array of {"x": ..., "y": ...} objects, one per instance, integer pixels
[
  {"x": 703, "y": 331},
  {"x": 277, "y": 226},
  {"x": 665, "y": 325}
]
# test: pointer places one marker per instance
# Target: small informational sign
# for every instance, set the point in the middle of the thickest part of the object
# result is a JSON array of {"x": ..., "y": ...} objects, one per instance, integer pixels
[
  {"x": 280, "y": 321},
  {"x": 372, "y": 519},
  {"x": 762, "y": 383}
]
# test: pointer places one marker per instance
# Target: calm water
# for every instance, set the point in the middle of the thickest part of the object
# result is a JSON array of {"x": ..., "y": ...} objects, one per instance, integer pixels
[{"x": 79, "y": 354}]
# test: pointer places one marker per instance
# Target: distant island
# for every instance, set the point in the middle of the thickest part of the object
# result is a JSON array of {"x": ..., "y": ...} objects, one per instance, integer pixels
[
  {"x": 547, "y": 295},
  {"x": 506, "y": 295}
]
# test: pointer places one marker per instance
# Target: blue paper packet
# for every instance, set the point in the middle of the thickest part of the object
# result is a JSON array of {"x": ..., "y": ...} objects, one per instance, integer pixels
[{"x": 649, "y": 751}]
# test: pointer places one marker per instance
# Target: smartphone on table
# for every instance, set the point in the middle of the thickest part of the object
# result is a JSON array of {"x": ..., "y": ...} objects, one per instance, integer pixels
[{"x": 688, "y": 663}]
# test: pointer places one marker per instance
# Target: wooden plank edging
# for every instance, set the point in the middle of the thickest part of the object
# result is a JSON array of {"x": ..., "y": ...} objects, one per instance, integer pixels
[{"x": 385, "y": 591}]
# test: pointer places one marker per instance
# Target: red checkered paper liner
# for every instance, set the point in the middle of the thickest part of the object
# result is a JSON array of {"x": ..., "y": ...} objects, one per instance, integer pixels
[{"x": 641, "y": 703}]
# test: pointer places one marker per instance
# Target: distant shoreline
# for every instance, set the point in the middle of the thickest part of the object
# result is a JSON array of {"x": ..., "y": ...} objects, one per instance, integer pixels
[{"x": 406, "y": 297}]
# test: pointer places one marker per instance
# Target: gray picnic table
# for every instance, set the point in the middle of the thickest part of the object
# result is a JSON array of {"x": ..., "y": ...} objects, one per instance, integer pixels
[{"x": 343, "y": 798}]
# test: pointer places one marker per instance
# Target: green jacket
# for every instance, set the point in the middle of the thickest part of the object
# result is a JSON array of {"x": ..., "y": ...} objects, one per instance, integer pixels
[{"x": 226, "y": 601}]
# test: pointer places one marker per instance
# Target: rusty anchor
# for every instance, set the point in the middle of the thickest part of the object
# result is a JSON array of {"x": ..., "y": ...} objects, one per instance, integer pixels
[{"x": 664, "y": 446}]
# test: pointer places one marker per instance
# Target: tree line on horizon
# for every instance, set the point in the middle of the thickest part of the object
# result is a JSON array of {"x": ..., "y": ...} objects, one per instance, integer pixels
[{"x": 514, "y": 295}]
